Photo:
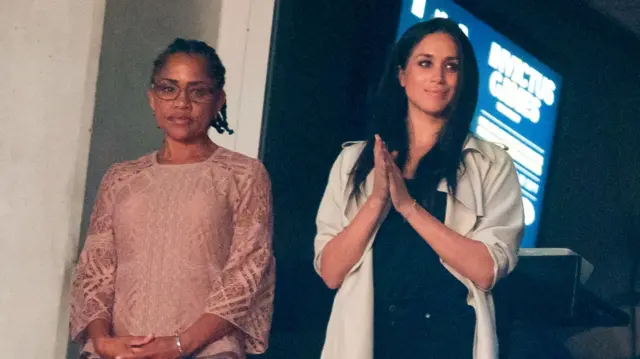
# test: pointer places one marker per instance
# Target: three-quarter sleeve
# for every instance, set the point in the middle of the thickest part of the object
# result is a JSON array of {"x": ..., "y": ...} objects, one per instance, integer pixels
[
  {"x": 501, "y": 227},
  {"x": 328, "y": 220},
  {"x": 243, "y": 293},
  {"x": 92, "y": 289}
]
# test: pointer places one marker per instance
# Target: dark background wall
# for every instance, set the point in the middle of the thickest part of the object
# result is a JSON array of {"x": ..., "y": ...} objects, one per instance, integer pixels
[{"x": 326, "y": 54}]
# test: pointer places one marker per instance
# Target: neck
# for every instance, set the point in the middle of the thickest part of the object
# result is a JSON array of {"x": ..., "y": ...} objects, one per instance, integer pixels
[
  {"x": 180, "y": 152},
  {"x": 423, "y": 132}
]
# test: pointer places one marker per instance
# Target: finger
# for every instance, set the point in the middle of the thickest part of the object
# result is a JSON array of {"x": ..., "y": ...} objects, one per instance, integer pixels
[
  {"x": 131, "y": 355},
  {"x": 138, "y": 341},
  {"x": 394, "y": 155},
  {"x": 386, "y": 161},
  {"x": 127, "y": 356},
  {"x": 383, "y": 151},
  {"x": 384, "y": 147},
  {"x": 379, "y": 143},
  {"x": 378, "y": 153},
  {"x": 389, "y": 158},
  {"x": 396, "y": 171}
]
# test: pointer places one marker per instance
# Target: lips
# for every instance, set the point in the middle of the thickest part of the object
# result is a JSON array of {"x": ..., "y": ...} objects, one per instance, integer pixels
[
  {"x": 180, "y": 119},
  {"x": 437, "y": 93}
]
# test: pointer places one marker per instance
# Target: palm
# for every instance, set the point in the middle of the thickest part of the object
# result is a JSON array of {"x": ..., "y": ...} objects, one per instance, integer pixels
[{"x": 381, "y": 179}]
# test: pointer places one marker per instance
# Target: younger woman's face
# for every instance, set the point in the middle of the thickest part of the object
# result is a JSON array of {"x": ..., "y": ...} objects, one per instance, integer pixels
[{"x": 430, "y": 78}]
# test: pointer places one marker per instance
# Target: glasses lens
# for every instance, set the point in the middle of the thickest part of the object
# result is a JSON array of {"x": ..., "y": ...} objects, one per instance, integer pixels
[
  {"x": 201, "y": 94},
  {"x": 168, "y": 91},
  {"x": 165, "y": 91}
]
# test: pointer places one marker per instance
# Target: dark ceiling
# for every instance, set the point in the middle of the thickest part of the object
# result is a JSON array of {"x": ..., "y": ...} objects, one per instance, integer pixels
[{"x": 625, "y": 12}]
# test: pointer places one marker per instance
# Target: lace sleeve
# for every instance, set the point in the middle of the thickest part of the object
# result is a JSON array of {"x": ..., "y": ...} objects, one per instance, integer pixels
[
  {"x": 243, "y": 294},
  {"x": 92, "y": 289}
]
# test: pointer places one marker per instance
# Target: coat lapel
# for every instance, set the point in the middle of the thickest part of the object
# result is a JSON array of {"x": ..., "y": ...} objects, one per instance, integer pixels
[{"x": 463, "y": 209}]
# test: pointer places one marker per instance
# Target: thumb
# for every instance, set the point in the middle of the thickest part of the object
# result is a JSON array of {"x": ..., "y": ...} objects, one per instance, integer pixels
[
  {"x": 394, "y": 155},
  {"x": 125, "y": 356},
  {"x": 137, "y": 341}
]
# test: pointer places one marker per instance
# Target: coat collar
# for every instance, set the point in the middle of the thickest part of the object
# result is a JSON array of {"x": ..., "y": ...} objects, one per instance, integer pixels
[{"x": 468, "y": 185}]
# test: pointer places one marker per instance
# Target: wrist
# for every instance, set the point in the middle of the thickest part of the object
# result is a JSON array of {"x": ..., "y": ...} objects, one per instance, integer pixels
[
  {"x": 376, "y": 202},
  {"x": 187, "y": 344},
  {"x": 408, "y": 208},
  {"x": 180, "y": 346},
  {"x": 98, "y": 330},
  {"x": 98, "y": 342}
]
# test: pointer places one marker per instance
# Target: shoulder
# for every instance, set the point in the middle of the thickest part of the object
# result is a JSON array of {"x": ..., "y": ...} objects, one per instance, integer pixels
[
  {"x": 353, "y": 148},
  {"x": 122, "y": 171},
  {"x": 350, "y": 153},
  {"x": 242, "y": 167},
  {"x": 492, "y": 154}
]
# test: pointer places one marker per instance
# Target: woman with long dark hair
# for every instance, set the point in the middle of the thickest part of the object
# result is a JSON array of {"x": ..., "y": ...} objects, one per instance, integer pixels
[{"x": 419, "y": 222}]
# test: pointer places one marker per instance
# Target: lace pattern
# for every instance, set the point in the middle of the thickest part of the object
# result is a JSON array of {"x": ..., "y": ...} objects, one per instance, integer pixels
[{"x": 168, "y": 243}]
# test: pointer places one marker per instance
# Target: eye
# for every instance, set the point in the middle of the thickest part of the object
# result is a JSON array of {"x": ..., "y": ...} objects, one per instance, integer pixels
[
  {"x": 425, "y": 63},
  {"x": 202, "y": 91},
  {"x": 165, "y": 88},
  {"x": 452, "y": 66}
]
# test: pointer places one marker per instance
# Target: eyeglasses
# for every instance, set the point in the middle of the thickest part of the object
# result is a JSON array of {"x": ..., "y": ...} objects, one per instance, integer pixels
[{"x": 196, "y": 93}]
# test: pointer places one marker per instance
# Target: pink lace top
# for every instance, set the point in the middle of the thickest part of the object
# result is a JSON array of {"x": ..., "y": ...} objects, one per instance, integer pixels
[{"x": 168, "y": 243}]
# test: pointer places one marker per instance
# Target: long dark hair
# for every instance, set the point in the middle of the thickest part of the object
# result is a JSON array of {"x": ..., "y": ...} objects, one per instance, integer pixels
[
  {"x": 388, "y": 110},
  {"x": 215, "y": 70}
]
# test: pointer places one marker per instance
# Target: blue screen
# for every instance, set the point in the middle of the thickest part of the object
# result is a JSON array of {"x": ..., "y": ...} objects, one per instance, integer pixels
[{"x": 517, "y": 100}]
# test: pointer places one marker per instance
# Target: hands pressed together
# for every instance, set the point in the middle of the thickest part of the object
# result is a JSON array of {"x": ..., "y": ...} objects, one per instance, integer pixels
[
  {"x": 137, "y": 347},
  {"x": 389, "y": 179}
]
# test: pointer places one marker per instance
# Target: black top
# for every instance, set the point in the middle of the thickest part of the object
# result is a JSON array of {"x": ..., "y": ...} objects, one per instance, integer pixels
[{"x": 420, "y": 308}]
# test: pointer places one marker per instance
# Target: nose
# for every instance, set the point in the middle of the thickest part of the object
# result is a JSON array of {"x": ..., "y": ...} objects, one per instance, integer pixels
[
  {"x": 183, "y": 100},
  {"x": 437, "y": 75}
]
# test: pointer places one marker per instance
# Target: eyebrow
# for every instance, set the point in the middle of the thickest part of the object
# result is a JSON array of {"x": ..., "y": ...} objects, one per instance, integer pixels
[
  {"x": 191, "y": 83},
  {"x": 431, "y": 56}
]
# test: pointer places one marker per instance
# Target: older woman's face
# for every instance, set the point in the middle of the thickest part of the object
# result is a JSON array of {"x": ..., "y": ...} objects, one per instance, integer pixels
[
  {"x": 184, "y": 98},
  {"x": 430, "y": 78}
]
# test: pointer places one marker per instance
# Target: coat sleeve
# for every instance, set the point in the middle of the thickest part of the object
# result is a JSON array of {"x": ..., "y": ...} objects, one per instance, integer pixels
[{"x": 501, "y": 227}]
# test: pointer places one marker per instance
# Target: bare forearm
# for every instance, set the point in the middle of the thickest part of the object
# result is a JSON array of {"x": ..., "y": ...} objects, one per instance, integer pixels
[
  {"x": 468, "y": 257},
  {"x": 99, "y": 328},
  {"x": 207, "y": 329},
  {"x": 344, "y": 251}
]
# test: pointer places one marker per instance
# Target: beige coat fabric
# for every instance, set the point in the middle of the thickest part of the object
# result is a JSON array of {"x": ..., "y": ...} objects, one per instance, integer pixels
[{"x": 487, "y": 207}]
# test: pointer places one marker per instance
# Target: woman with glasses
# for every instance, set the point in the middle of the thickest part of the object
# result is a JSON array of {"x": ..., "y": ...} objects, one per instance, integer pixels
[{"x": 178, "y": 259}]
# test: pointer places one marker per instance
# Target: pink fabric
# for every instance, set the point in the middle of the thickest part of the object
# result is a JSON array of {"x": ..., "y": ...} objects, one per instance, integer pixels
[{"x": 168, "y": 243}]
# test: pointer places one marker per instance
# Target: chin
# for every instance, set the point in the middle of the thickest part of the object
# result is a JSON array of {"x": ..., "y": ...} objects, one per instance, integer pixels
[
  {"x": 435, "y": 111},
  {"x": 181, "y": 135}
]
